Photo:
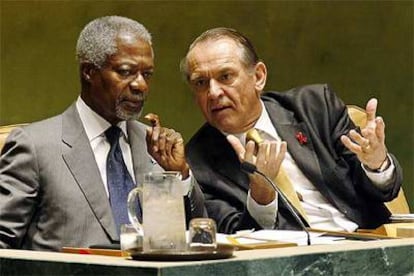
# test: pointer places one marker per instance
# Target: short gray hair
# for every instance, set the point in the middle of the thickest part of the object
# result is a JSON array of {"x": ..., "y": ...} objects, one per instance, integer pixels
[{"x": 97, "y": 40}]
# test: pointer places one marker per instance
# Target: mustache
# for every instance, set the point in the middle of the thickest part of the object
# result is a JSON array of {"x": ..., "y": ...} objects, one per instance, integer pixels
[
  {"x": 220, "y": 102},
  {"x": 141, "y": 96}
]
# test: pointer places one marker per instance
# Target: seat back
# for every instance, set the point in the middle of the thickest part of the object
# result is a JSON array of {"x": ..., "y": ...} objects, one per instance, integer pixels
[
  {"x": 398, "y": 205},
  {"x": 4, "y": 132}
]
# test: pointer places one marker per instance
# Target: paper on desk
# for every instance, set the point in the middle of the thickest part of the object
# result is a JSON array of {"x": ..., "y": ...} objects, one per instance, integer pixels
[
  {"x": 263, "y": 236},
  {"x": 298, "y": 237},
  {"x": 229, "y": 239},
  {"x": 249, "y": 243}
]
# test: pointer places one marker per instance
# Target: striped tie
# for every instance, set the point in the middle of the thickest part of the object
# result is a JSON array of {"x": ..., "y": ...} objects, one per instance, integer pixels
[{"x": 119, "y": 180}]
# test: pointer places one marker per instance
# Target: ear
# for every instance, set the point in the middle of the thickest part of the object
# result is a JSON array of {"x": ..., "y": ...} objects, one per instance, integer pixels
[
  {"x": 260, "y": 74},
  {"x": 87, "y": 71}
]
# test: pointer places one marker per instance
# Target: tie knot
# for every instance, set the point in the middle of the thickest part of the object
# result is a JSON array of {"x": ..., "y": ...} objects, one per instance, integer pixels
[
  {"x": 254, "y": 135},
  {"x": 112, "y": 134}
]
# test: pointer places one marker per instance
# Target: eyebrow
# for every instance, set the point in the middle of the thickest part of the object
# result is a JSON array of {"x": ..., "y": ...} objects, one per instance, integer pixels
[
  {"x": 194, "y": 77},
  {"x": 198, "y": 75}
]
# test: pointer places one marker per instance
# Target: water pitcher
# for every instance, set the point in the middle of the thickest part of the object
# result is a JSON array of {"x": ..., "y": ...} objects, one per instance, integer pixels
[{"x": 163, "y": 225}]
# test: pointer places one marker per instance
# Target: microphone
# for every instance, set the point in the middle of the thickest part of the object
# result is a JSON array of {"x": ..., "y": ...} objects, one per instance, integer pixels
[{"x": 251, "y": 169}]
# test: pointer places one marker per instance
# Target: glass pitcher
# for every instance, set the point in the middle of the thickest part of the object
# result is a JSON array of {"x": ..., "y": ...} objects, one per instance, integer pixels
[{"x": 161, "y": 197}]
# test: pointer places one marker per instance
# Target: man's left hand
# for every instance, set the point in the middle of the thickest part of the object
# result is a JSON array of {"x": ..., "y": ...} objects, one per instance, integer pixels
[
  {"x": 369, "y": 145},
  {"x": 166, "y": 146}
]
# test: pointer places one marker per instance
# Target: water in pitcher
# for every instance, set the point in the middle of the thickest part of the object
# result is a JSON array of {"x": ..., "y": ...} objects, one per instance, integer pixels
[
  {"x": 164, "y": 224},
  {"x": 164, "y": 214}
]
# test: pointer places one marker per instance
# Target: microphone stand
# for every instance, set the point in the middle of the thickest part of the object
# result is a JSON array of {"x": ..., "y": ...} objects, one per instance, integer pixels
[{"x": 251, "y": 169}]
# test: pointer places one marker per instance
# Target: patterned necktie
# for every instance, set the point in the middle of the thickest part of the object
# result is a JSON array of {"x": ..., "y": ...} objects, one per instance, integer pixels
[
  {"x": 119, "y": 180},
  {"x": 282, "y": 179}
]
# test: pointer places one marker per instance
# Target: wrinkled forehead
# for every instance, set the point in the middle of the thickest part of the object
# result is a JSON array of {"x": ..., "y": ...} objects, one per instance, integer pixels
[
  {"x": 215, "y": 44},
  {"x": 126, "y": 39},
  {"x": 213, "y": 52}
]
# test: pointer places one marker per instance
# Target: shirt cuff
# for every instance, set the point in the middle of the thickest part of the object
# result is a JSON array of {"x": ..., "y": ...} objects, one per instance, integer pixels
[
  {"x": 265, "y": 215},
  {"x": 381, "y": 179},
  {"x": 187, "y": 184}
]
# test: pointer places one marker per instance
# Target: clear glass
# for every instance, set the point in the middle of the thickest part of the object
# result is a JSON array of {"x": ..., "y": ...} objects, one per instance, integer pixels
[
  {"x": 162, "y": 203},
  {"x": 131, "y": 240},
  {"x": 202, "y": 234}
]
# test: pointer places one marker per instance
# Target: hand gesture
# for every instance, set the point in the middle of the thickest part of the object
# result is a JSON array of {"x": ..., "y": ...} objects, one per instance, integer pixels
[
  {"x": 267, "y": 159},
  {"x": 166, "y": 146},
  {"x": 369, "y": 146}
]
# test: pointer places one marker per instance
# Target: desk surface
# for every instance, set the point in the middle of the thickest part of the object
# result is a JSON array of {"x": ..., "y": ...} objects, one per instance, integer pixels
[{"x": 390, "y": 257}]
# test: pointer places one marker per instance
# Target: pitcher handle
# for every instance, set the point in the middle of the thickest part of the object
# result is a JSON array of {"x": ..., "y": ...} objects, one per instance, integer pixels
[{"x": 132, "y": 210}]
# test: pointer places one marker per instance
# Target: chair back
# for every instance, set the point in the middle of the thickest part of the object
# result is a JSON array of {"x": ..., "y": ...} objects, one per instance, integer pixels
[
  {"x": 5, "y": 131},
  {"x": 398, "y": 205}
]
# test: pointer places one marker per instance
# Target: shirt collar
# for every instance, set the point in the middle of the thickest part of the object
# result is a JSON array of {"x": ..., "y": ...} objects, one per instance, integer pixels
[
  {"x": 265, "y": 124},
  {"x": 93, "y": 123}
]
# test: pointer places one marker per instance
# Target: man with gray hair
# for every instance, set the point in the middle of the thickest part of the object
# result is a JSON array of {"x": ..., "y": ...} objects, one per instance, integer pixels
[{"x": 64, "y": 181}]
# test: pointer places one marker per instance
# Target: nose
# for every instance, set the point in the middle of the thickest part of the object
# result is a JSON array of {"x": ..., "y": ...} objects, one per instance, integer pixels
[
  {"x": 215, "y": 89},
  {"x": 139, "y": 84}
]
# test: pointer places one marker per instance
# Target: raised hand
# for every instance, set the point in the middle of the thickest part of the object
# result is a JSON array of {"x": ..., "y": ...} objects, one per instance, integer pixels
[
  {"x": 166, "y": 146},
  {"x": 369, "y": 146},
  {"x": 267, "y": 158}
]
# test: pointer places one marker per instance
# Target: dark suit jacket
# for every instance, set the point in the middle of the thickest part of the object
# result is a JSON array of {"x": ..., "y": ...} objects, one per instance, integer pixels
[
  {"x": 336, "y": 172},
  {"x": 51, "y": 191}
]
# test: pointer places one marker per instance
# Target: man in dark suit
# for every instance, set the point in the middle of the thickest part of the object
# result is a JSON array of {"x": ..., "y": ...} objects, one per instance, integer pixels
[
  {"x": 340, "y": 176},
  {"x": 55, "y": 186}
]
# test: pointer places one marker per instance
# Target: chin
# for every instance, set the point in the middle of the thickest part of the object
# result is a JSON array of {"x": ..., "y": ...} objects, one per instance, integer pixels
[
  {"x": 229, "y": 129},
  {"x": 127, "y": 115},
  {"x": 223, "y": 128}
]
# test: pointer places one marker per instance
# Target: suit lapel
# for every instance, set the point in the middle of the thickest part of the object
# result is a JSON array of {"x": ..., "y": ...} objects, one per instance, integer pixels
[
  {"x": 80, "y": 160},
  {"x": 225, "y": 160},
  {"x": 303, "y": 153}
]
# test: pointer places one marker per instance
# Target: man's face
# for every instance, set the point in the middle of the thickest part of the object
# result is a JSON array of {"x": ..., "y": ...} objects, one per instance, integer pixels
[
  {"x": 118, "y": 89},
  {"x": 226, "y": 91}
]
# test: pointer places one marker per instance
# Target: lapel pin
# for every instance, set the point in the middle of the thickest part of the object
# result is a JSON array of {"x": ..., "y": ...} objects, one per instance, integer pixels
[{"x": 302, "y": 139}]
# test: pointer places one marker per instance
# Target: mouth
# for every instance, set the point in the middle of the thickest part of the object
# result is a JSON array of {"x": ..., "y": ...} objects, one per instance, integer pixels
[
  {"x": 219, "y": 108},
  {"x": 132, "y": 105}
]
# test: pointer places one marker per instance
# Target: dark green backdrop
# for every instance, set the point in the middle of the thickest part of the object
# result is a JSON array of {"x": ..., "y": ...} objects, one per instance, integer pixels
[{"x": 361, "y": 49}]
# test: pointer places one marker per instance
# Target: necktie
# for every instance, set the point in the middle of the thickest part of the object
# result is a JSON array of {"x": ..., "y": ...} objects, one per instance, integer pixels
[
  {"x": 119, "y": 180},
  {"x": 282, "y": 179}
]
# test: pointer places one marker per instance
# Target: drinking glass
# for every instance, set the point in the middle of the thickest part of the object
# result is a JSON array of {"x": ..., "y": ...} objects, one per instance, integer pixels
[
  {"x": 202, "y": 234},
  {"x": 130, "y": 239}
]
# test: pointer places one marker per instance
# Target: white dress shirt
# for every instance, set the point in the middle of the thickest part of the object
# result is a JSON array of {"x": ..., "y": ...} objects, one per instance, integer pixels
[
  {"x": 95, "y": 127},
  {"x": 321, "y": 214}
]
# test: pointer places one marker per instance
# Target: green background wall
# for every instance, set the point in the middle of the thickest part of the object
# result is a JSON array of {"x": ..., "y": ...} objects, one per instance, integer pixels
[{"x": 361, "y": 49}]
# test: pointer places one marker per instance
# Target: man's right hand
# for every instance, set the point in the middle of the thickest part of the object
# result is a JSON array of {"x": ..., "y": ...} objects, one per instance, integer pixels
[
  {"x": 268, "y": 160},
  {"x": 166, "y": 146}
]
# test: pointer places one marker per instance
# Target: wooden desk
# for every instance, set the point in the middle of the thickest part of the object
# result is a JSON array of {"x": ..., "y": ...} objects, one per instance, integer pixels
[{"x": 380, "y": 257}]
